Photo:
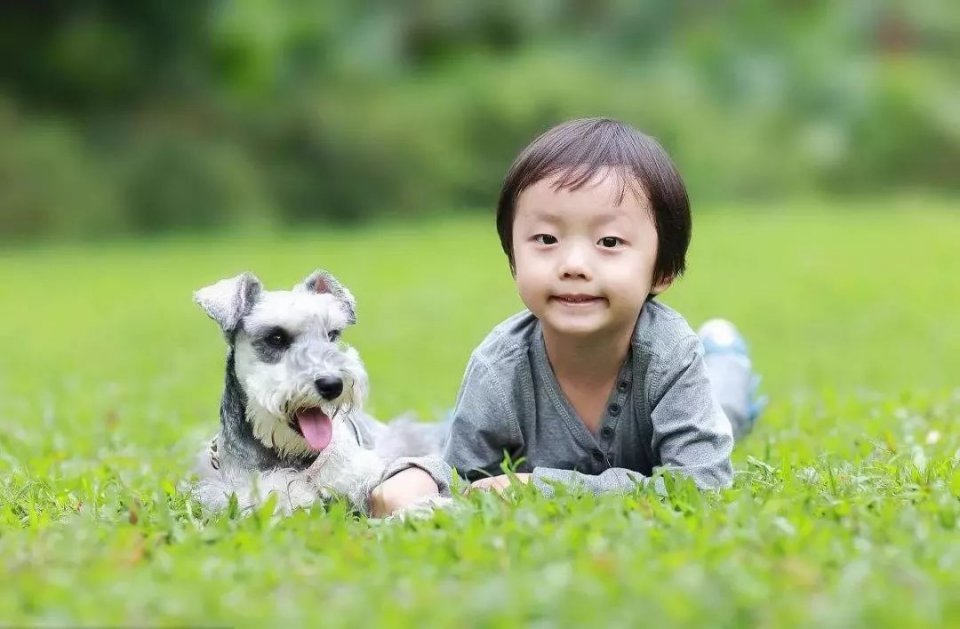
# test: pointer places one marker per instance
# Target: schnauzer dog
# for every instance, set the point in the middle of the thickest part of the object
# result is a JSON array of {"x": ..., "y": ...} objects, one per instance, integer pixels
[{"x": 291, "y": 415}]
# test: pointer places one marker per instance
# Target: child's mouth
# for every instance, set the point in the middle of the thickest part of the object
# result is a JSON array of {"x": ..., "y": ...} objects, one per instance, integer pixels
[{"x": 577, "y": 299}]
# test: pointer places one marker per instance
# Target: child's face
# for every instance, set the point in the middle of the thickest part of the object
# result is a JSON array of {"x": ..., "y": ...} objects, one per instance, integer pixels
[{"x": 584, "y": 263}]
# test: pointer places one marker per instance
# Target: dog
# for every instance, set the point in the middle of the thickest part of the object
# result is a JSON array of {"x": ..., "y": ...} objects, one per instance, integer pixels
[{"x": 292, "y": 422}]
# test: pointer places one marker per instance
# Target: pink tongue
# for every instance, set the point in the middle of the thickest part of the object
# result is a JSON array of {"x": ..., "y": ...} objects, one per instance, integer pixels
[{"x": 316, "y": 427}]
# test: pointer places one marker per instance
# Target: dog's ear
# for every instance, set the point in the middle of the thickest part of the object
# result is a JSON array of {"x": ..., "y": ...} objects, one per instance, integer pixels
[
  {"x": 228, "y": 301},
  {"x": 322, "y": 282}
]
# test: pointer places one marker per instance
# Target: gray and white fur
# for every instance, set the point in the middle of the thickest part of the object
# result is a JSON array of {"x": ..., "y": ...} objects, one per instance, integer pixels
[{"x": 289, "y": 375}]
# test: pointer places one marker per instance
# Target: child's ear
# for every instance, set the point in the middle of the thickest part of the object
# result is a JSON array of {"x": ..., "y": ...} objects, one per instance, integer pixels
[{"x": 662, "y": 285}]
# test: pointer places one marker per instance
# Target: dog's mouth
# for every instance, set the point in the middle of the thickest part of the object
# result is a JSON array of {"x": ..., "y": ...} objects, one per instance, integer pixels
[{"x": 314, "y": 426}]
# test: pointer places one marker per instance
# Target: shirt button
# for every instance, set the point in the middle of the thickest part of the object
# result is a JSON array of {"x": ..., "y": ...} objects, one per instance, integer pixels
[
  {"x": 598, "y": 456},
  {"x": 614, "y": 410},
  {"x": 607, "y": 432},
  {"x": 623, "y": 386}
]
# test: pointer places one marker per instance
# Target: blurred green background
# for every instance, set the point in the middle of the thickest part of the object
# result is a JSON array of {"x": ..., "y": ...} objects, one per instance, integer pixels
[{"x": 122, "y": 118}]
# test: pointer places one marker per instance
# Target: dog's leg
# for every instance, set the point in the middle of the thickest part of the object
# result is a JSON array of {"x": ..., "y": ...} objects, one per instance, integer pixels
[
  {"x": 293, "y": 489},
  {"x": 347, "y": 470}
]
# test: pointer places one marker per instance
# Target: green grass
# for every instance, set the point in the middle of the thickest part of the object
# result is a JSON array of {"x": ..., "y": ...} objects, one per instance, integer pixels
[{"x": 846, "y": 510}]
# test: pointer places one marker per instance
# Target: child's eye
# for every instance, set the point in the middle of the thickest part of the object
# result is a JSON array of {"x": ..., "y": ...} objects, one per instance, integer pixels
[
  {"x": 545, "y": 239},
  {"x": 609, "y": 242}
]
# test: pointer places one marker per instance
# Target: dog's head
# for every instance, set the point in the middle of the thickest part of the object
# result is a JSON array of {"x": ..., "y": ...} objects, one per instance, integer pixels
[{"x": 295, "y": 373}]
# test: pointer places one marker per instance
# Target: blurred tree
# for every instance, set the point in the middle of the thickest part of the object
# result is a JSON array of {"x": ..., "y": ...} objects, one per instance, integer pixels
[{"x": 160, "y": 115}]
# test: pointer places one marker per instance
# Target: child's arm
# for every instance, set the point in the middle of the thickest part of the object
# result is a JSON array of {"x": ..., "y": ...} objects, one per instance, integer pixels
[
  {"x": 690, "y": 431},
  {"x": 484, "y": 425},
  {"x": 481, "y": 430}
]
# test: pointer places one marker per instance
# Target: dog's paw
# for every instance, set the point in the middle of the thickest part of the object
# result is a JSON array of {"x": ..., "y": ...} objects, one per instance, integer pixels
[{"x": 291, "y": 490}]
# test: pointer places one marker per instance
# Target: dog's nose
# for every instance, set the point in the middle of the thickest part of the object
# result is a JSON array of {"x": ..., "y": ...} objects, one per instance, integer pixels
[{"x": 329, "y": 387}]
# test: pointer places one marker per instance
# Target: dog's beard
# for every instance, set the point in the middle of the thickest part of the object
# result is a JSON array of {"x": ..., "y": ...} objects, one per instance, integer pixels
[
  {"x": 286, "y": 413},
  {"x": 277, "y": 432},
  {"x": 301, "y": 424}
]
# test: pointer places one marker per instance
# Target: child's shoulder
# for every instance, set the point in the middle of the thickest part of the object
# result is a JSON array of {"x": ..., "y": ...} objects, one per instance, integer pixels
[
  {"x": 511, "y": 337},
  {"x": 661, "y": 330}
]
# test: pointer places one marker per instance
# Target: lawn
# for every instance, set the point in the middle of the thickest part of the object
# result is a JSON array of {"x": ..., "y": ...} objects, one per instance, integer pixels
[{"x": 845, "y": 512}]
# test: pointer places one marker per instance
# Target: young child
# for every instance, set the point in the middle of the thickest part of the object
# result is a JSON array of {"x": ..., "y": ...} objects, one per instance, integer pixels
[{"x": 597, "y": 384}]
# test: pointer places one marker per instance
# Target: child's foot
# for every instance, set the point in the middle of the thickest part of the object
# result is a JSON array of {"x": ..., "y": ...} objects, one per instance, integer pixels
[{"x": 731, "y": 374}]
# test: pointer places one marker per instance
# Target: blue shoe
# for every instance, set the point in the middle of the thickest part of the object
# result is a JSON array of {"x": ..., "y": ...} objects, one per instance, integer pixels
[{"x": 731, "y": 370}]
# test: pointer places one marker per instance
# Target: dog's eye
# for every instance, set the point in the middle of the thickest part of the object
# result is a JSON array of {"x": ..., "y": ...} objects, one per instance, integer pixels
[
  {"x": 334, "y": 335},
  {"x": 277, "y": 339}
]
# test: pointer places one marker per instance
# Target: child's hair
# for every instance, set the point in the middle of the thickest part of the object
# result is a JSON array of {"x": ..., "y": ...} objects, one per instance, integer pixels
[{"x": 577, "y": 150}]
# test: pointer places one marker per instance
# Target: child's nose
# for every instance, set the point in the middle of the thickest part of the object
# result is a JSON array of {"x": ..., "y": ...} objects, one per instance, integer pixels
[{"x": 574, "y": 264}]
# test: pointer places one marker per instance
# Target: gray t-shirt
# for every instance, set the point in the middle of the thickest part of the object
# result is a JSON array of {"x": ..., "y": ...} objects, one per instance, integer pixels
[{"x": 660, "y": 414}]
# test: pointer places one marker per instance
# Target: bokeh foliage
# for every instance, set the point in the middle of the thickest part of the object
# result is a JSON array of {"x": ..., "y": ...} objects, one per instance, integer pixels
[{"x": 150, "y": 116}]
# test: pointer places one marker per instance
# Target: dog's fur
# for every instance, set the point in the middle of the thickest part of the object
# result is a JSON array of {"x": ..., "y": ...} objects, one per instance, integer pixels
[{"x": 282, "y": 347}]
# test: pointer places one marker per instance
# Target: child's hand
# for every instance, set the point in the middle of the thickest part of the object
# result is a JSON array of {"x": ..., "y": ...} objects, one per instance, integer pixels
[
  {"x": 499, "y": 483},
  {"x": 400, "y": 490}
]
